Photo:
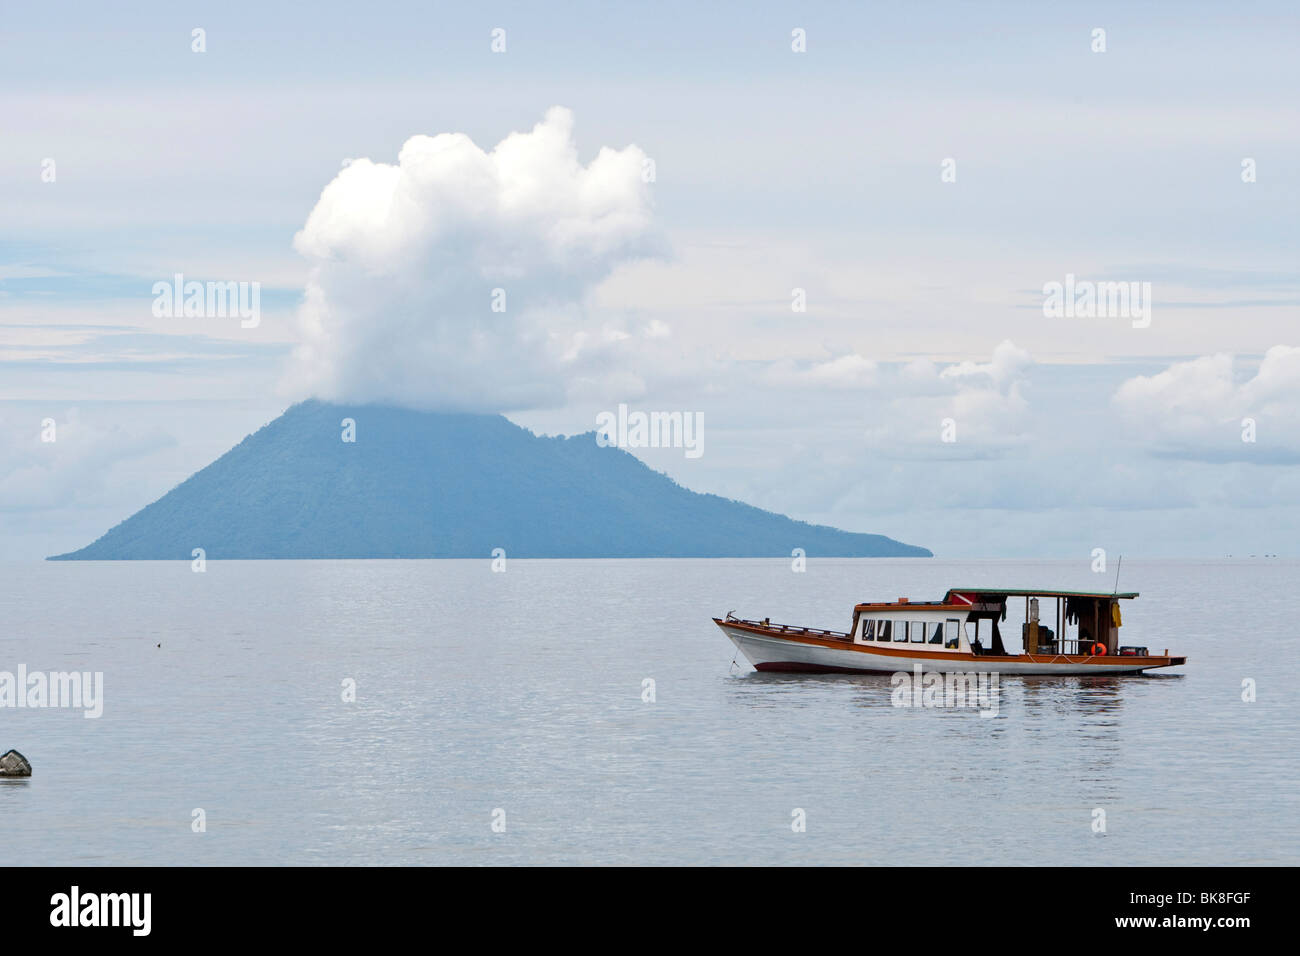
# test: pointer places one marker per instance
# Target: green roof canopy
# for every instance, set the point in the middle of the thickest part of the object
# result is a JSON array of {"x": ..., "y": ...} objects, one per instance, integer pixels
[{"x": 1038, "y": 592}]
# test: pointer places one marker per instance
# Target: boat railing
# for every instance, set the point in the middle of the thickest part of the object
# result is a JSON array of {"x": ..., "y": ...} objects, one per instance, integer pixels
[
  {"x": 1069, "y": 646},
  {"x": 792, "y": 629}
]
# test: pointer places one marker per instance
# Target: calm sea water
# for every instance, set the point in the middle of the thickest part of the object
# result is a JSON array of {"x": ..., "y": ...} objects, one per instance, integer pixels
[{"x": 523, "y": 691}]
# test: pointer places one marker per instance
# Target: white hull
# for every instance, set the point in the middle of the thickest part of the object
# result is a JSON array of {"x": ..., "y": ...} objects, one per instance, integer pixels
[{"x": 769, "y": 652}]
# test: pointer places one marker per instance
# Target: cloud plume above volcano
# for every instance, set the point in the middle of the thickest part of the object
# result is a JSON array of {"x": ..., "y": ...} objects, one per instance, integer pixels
[{"x": 459, "y": 278}]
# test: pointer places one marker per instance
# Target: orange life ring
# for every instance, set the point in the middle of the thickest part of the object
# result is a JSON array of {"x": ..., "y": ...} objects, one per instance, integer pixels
[{"x": 1098, "y": 649}]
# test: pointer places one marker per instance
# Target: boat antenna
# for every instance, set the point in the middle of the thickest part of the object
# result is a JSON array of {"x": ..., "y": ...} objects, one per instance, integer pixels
[{"x": 1118, "y": 564}]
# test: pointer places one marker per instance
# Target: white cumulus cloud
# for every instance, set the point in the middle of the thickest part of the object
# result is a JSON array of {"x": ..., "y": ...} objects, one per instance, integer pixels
[
  {"x": 61, "y": 461},
  {"x": 1202, "y": 408},
  {"x": 408, "y": 262},
  {"x": 980, "y": 406}
]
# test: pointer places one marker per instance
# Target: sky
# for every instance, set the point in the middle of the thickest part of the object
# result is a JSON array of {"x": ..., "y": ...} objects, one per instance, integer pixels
[{"x": 835, "y": 256}]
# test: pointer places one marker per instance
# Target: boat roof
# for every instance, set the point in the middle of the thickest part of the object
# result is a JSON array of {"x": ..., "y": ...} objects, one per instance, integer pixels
[
  {"x": 1039, "y": 592},
  {"x": 961, "y": 597}
]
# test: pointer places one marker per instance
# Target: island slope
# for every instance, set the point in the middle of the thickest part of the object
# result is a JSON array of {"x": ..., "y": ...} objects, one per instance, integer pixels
[{"x": 432, "y": 485}]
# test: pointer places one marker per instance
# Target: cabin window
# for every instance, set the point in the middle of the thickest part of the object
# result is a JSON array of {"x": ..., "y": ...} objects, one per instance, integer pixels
[
  {"x": 882, "y": 630},
  {"x": 951, "y": 638},
  {"x": 936, "y": 635},
  {"x": 868, "y": 630},
  {"x": 917, "y": 631}
]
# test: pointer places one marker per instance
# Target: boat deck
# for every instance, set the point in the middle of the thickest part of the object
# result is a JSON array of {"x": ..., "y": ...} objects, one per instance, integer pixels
[{"x": 789, "y": 629}]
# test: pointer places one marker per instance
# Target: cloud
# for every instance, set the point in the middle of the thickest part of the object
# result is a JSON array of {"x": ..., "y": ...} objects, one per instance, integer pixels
[
  {"x": 984, "y": 401},
  {"x": 1002, "y": 373},
  {"x": 75, "y": 464},
  {"x": 850, "y": 371},
  {"x": 904, "y": 408},
  {"x": 1199, "y": 409},
  {"x": 409, "y": 260}
]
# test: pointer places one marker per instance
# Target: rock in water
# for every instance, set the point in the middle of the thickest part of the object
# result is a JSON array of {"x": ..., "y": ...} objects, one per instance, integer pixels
[{"x": 14, "y": 764}]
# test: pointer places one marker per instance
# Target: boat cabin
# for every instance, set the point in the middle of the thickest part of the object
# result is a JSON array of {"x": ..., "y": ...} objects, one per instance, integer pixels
[{"x": 967, "y": 621}]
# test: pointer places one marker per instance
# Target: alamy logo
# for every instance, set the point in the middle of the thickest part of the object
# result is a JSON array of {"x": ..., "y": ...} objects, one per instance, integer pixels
[
  {"x": 208, "y": 300},
  {"x": 1085, "y": 299},
  {"x": 75, "y": 908},
  {"x": 952, "y": 689},
  {"x": 67, "y": 689},
  {"x": 626, "y": 429}
]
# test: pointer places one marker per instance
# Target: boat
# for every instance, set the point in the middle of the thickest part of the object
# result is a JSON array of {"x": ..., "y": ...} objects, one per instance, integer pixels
[{"x": 955, "y": 635}]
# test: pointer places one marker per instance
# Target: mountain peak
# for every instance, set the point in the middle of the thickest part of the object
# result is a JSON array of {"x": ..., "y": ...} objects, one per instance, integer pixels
[{"x": 413, "y": 484}]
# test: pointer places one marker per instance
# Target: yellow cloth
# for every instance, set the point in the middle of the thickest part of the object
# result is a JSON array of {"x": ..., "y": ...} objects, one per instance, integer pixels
[{"x": 1114, "y": 614}]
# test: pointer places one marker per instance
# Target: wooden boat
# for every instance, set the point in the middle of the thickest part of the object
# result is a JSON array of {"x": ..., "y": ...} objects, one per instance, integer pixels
[{"x": 958, "y": 634}]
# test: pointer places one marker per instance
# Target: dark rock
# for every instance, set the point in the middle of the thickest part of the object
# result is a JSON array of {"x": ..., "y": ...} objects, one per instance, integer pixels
[{"x": 14, "y": 764}]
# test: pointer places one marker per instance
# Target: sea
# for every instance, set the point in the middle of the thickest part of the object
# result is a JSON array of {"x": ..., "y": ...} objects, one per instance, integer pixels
[{"x": 529, "y": 712}]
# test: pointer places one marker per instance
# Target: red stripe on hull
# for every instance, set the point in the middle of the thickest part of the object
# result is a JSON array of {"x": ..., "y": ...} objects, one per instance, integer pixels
[{"x": 799, "y": 667}]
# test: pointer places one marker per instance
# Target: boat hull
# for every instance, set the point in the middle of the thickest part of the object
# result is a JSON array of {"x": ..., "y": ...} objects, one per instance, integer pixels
[{"x": 776, "y": 649}]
